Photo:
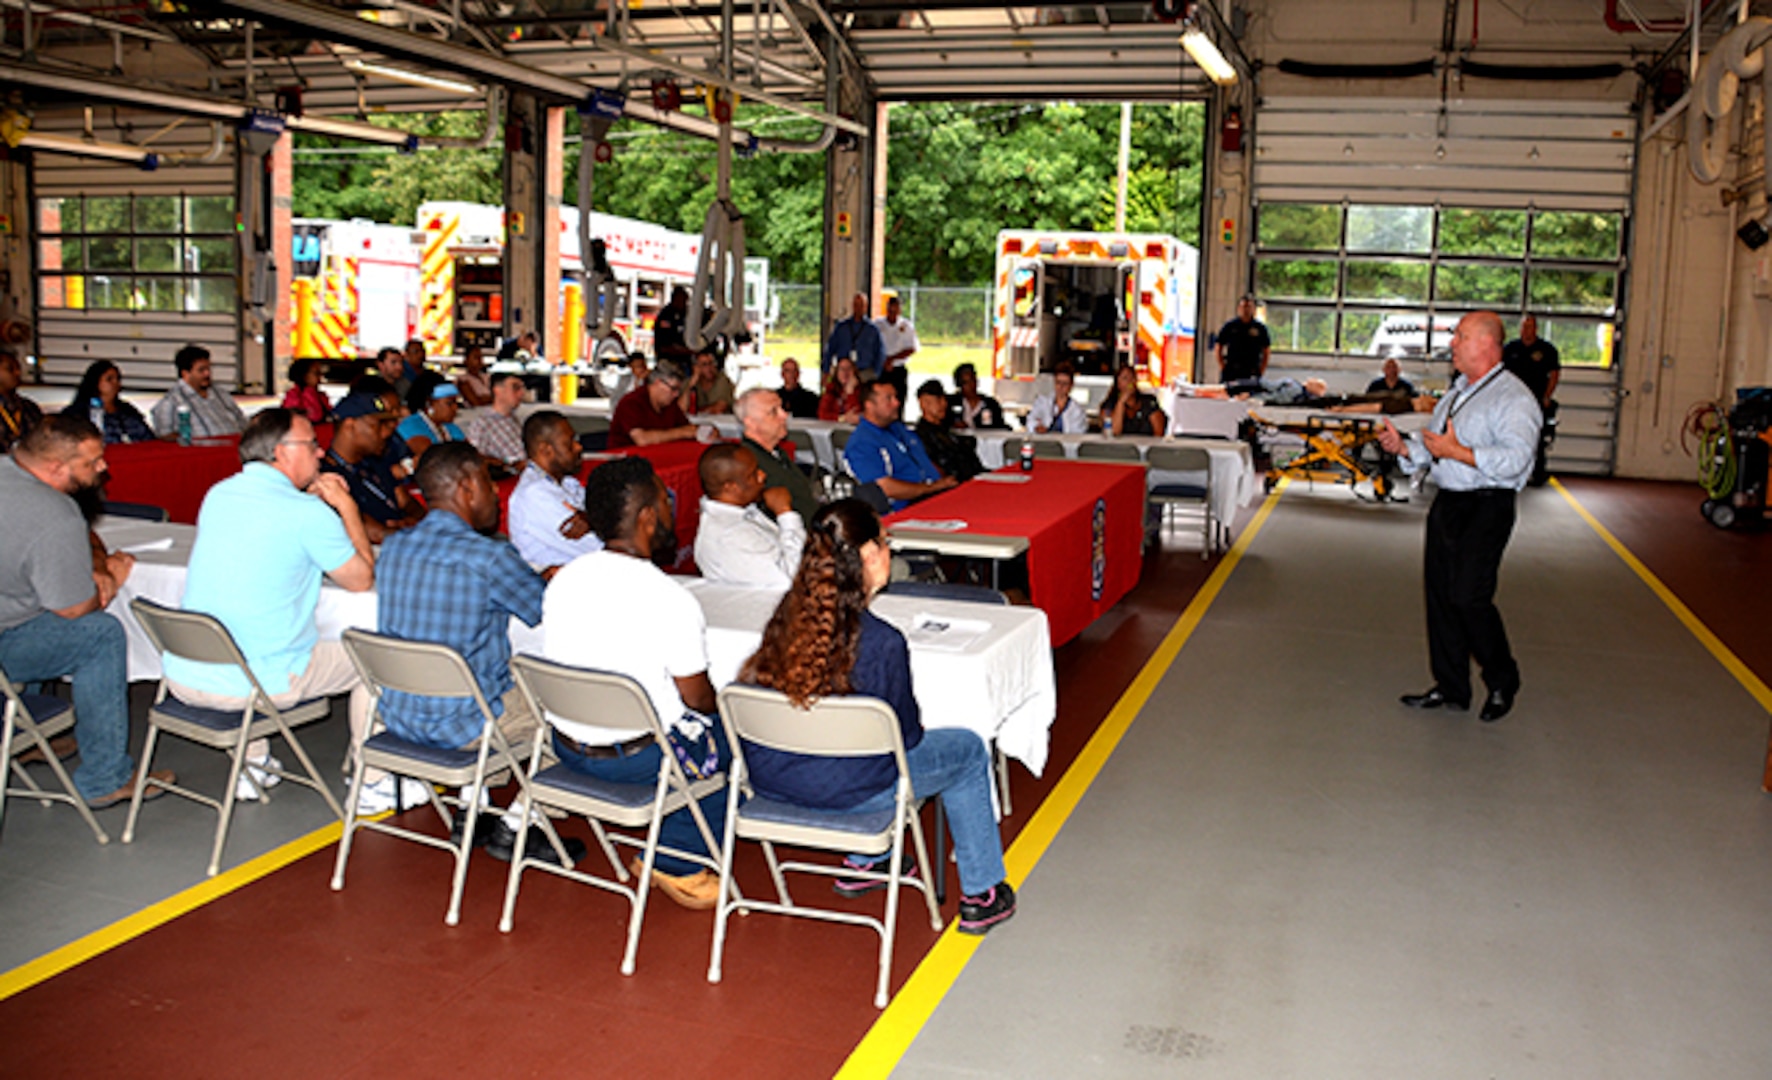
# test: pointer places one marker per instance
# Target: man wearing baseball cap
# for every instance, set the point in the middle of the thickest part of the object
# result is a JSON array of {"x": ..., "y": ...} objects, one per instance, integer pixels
[{"x": 355, "y": 455}]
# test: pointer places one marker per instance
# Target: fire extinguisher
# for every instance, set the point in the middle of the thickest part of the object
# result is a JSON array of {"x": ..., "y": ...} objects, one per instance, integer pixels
[{"x": 1232, "y": 141}]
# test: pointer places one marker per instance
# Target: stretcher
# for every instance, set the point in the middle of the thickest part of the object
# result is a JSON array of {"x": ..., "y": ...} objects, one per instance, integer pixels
[{"x": 1328, "y": 447}]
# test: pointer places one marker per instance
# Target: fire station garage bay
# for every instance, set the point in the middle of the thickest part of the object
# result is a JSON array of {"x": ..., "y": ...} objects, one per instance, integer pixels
[{"x": 1239, "y": 844}]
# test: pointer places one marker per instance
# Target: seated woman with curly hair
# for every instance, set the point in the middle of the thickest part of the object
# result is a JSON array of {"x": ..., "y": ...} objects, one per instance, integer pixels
[{"x": 823, "y": 640}]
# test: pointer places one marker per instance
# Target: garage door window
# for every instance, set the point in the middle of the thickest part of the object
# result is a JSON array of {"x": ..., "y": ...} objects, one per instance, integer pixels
[{"x": 137, "y": 253}]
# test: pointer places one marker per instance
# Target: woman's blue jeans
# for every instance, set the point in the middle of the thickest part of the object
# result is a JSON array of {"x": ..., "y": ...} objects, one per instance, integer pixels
[
  {"x": 954, "y": 763},
  {"x": 641, "y": 767}
]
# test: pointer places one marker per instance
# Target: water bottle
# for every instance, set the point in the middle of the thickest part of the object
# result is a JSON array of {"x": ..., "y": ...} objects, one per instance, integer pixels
[
  {"x": 1027, "y": 455},
  {"x": 96, "y": 413},
  {"x": 184, "y": 425}
]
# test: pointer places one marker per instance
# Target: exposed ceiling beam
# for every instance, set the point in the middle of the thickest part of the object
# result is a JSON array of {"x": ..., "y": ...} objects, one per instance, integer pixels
[{"x": 342, "y": 27}]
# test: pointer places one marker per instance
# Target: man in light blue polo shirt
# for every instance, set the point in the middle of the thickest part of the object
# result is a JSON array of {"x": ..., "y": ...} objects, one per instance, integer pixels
[
  {"x": 263, "y": 542},
  {"x": 547, "y": 510},
  {"x": 883, "y": 451}
]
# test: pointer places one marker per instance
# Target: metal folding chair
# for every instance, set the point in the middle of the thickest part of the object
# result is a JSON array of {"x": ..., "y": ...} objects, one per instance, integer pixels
[
  {"x": 1104, "y": 450},
  {"x": 607, "y": 700},
  {"x": 1050, "y": 449},
  {"x": 429, "y": 670},
  {"x": 1170, "y": 495},
  {"x": 38, "y": 718},
  {"x": 202, "y": 639},
  {"x": 833, "y": 727}
]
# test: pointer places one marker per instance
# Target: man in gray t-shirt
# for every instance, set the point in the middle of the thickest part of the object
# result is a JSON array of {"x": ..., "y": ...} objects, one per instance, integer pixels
[{"x": 54, "y": 585}]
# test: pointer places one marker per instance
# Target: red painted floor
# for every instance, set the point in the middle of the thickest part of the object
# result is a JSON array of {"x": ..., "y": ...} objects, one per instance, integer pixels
[{"x": 286, "y": 978}]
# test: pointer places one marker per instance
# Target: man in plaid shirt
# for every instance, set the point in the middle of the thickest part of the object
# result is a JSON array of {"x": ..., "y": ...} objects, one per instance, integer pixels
[
  {"x": 444, "y": 581},
  {"x": 495, "y": 432}
]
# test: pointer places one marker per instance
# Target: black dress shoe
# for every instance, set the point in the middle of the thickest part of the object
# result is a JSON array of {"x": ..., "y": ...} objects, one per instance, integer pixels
[
  {"x": 1496, "y": 705},
  {"x": 503, "y": 844},
  {"x": 484, "y": 826},
  {"x": 1434, "y": 698}
]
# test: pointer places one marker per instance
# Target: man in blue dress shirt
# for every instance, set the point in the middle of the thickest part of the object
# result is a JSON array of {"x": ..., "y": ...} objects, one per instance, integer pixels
[
  {"x": 858, "y": 337},
  {"x": 883, "y": 451},
  {"x": 1478, "y": 449}
]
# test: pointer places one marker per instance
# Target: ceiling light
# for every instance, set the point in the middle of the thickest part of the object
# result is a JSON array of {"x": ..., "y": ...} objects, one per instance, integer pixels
[
  {"x": 69, "y": 144},
  {"x": 413, "y": 78},
  {"x": 1207, "y": 56},
  {"x": 351, "y": 129}
]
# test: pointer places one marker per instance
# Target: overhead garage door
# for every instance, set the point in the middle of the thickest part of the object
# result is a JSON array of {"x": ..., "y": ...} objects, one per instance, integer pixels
[
  {"x": 1380, "y": 221},
  {"x": 132, "y": 264}
]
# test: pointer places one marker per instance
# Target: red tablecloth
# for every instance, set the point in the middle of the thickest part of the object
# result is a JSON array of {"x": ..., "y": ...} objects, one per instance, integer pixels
[
  {"x": 175, "y": 477},
  {"x": 1084, "y": 522},
  {"x": 168, "y": 475},
  {"x": 678, "y": 464}
]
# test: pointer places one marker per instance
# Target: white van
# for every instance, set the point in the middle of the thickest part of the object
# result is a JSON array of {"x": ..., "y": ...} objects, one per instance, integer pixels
[{"x": 1405, "y": 335}]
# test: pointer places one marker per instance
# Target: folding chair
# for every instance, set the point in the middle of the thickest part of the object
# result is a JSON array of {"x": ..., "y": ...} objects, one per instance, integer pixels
[
  {"x": 202, "y": 639},
  {"x": 140, "y": 511},
  {"x": 1109, "y": 451},
  {"x": 39, "y": 718},
  {"x": 805, "y": 451},
  {"x": 1051, "y": 449},
  {"x": 832, "y": 727},
  {"x": 429, "y": 670},
  {"x": 606, "y": 700},
  {"x": 1170, "y": 495}
]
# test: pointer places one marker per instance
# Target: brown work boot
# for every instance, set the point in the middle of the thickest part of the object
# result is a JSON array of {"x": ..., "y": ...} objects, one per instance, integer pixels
[
  {"x": 699, "y": 891},
  {"x": 156, "y": 780}
]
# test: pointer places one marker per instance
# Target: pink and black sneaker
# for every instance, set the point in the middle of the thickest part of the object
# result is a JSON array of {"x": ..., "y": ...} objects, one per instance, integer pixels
[
  {"x": 861, "y": 886},
  {"x": 978, "y": 914}
]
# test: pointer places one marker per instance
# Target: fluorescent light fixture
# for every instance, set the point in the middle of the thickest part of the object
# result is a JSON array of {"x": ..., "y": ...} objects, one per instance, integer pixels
[
  {"x": 351, "y": 129},
  {"x": 1207, "y": 56},
  {"x": 413, "y": 78},
  {"x": 70, "y": 144}
]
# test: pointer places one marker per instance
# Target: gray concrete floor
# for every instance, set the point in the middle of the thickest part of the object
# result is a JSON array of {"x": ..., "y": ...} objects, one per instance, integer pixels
[
  {"x": 57, "y": 884},
  {"x": 1282, "y": 872}
]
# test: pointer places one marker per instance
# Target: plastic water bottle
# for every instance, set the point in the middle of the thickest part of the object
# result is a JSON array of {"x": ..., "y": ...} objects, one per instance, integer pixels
[
  {"x": 96, "y": 413},
  {"x": 184, "y": 425},
  {"x": 1027, "y": 455}
]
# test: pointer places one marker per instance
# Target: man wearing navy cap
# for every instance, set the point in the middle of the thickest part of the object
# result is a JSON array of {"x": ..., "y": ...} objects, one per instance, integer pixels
[{"x": 355, "y": 455}]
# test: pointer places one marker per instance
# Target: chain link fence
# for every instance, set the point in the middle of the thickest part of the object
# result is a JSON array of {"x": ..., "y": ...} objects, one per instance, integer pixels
[{"x": 942, "y": 314}]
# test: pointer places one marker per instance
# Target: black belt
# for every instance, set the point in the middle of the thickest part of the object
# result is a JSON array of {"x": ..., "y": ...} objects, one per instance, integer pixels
[
  {"x": 619, "y": 750},
  {"x": 1488, "y": 492}
]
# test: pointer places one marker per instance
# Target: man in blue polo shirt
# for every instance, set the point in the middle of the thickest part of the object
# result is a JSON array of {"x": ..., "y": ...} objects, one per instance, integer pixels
[
  {"x": 445, "y": 581},
  {"x": 265, "y": 537},
  {"x": 856, "y": 337},
  {"x": 883, "y": 451}
]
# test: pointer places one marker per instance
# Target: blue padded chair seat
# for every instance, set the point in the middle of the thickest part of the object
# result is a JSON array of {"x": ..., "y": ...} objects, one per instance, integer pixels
[
  {"x": 572, "y": 782},
  {"x": 389, "y": 743},
  {"x": 43, "y": 707},
  {"x": 1179, "y": 491},
  {"x": 217, "y": 719},
  {"x": 778, "y": 812}
]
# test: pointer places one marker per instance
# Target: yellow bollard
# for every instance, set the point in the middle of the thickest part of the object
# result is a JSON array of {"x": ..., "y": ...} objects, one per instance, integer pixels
[
  {"x": 572, "y": 326},
  {"x": 304, "y": 318},
  {"x": 76, "y": 291}
]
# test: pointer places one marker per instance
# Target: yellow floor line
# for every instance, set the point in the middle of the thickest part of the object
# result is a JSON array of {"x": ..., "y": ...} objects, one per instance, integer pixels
[
  {"x": 1731, "y": 663},
  {"x": 54, "y": 963},
  {"x": 886, "y": 1042}
]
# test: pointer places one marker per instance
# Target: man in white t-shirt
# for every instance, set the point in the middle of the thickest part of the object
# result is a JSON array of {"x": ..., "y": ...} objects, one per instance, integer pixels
[
  {"x": 615, "y": 610},
  {"x": 899, "y": 338}
]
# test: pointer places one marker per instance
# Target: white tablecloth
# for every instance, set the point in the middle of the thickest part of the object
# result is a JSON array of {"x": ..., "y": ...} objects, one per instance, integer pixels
[
  {"x": 1000, "y": 685},
  {"x": 1212, "y": 417}
]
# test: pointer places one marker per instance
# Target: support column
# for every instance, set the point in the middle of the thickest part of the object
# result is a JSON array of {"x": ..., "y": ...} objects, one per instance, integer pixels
[
  {"x": 282, "y": 349},
  {"x": 1224, "y": 267},
  {"x": 525, "y": 184},
  {"x": 877, "y": 225},
  {"x": 848, "y": 196},
  {"x": 549, "y": 325},
  {"x": 17, "y": 283}
]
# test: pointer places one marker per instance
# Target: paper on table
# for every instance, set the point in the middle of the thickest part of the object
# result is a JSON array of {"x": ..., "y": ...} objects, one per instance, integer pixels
[
  {"x": 945, "y": 634},
  {"x": 162, "y": 544},
  {"x": 1003, "y": 478},
  {"x": 950, "y": 525}
]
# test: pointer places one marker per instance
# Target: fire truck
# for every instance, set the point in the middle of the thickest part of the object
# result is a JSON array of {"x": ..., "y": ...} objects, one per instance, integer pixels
[
  {"x": 460, "y": 300},
  {"x": 1095, "y": 299},
  {"x": 355, "y": 287}
]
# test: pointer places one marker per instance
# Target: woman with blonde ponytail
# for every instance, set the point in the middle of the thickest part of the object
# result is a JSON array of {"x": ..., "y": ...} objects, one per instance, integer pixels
[{"x": 822, "y": 641}]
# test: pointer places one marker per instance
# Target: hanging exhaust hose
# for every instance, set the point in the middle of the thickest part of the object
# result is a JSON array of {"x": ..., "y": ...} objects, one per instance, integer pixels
[
  {"x": 1737, "y": 57},
  {"x": 719, "y": 277},
  {"x": 602, "y": 293}
]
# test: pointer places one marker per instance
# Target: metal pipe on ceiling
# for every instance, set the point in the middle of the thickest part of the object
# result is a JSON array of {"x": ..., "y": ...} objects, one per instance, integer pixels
[
  {"x": 340, "y": 26},
  {"x": 709, "y": 78},
  {"x": 49, "y": 12}
]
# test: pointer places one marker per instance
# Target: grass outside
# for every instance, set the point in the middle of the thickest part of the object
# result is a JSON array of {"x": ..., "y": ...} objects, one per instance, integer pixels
[{"x": 930, "y": 361}]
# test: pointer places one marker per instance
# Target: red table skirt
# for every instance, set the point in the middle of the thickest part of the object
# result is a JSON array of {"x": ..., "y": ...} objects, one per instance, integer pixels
[
  {"x": 1084, "y": 522},
  {"x": 175, "y": 477}
]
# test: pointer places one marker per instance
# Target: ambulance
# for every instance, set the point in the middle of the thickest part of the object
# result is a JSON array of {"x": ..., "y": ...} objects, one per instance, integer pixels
[
  {"x": 1095, "y": 299},
  {"x": 355, "y": 287}
]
